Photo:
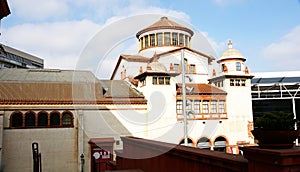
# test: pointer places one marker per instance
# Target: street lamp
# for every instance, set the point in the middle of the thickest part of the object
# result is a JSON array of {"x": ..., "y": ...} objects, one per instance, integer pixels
[{"x": 184, "y": 99}]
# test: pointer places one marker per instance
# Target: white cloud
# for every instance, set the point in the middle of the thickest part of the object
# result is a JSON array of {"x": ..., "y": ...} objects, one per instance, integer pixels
[
  {"x": 65, "y": 44},
  {"x": 285, "y": 54},
  {"x": 38, "y": 10},
  {"x": 58, "y": 43}
]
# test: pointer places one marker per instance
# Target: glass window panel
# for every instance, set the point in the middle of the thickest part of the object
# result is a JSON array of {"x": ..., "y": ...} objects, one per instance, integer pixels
[
  {"x": 146, "y": 41},
  {"x": 243, "y": 82},
  {"x": 238, "y": 66},
  {"x": 161, "y": 80},
  {"x": 214, "y": 106},
  {"x": 30, "y": 120},
  {"x": 181, "y": 39},
  {"x": 17, "y": 119},
  {"x": 197, "y": 106},
  {"x": 167, "y": 79},
  {"x": 179, "y": 106},
  {"x": 154, "y": 80},
  {"x": 176, "y": 67},
  {"x": 142, "y": 43},
  {"x": 231, "y": 82},
  {"x": 152, "y": 40},
  {"x": 67, "y": 119},
  {"x": 55, "y": 119},
  {"x": 42, "y": 119},
  {"x": 159, "y": 39},
  {"x": 167, "y": 38},
  {"x": 192, "y": 68},
  {"x": 175, "y": 39},
  {"x": 221, "y": 106},
  {"x": 186, "y": 41},
  {"x": 205, "y": 106}
]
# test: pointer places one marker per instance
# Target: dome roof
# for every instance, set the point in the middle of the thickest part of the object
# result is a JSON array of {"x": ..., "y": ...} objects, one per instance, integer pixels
[
  {"x": 164, "y": 23},
  {"x": 157, "y": 67},
  {"x": 231, "y": 53}
]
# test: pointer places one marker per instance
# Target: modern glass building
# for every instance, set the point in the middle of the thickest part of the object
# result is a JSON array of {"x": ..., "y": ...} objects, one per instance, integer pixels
[{"x": 276, "y": 91}]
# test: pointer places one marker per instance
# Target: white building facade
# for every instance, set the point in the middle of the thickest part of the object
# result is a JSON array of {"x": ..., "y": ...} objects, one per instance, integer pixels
[{"x": 219, "y": 114}]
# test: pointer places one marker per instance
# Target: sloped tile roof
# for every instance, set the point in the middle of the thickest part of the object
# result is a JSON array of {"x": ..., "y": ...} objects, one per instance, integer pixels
[
  {"x": 45, "y": 86},
  {"x": 202, "y": 89},
  {"x": 135, "y": 58}
]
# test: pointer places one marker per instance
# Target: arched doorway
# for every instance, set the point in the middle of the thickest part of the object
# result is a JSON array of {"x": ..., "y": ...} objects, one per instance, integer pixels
[
  {"x": 220, "y": 144},
  {"x": 190, "y": 142},
  {"x": 203, "y": 143}
]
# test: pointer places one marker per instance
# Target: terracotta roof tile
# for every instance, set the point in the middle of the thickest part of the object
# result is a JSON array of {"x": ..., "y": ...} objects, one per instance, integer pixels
[
  {"x": 202, "y": 89},
  {"x": 135, "y": 58}
]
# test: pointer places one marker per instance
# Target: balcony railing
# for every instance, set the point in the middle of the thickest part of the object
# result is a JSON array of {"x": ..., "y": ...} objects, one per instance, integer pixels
[{"x": 203, "y": 116}]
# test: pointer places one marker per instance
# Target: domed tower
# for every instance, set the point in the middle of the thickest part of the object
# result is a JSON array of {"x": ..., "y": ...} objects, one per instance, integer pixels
[
  {"x": 163, "y": 35},
  {"x": 232, "y": 61},
  {"x": 234, "y": 78}
]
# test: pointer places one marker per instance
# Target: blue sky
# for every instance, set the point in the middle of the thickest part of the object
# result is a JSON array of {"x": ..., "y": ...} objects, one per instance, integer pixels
[{"x": 266, "y": 32}]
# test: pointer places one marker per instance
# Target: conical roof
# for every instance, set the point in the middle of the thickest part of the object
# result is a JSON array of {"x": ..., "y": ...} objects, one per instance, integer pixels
[{"x": 165, "y": 23}]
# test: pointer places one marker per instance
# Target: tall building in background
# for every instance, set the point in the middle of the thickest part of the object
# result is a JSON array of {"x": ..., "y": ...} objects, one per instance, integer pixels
[{"x": 13, "y": 58}]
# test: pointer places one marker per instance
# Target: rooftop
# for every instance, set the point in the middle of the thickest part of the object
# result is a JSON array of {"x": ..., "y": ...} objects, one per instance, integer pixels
[{"x": 164, "y": 23}]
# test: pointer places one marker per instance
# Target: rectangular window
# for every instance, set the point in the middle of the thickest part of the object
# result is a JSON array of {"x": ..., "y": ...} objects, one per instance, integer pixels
[
  {"x": 176, "y": 68},
  {"x": 237, "y": 82},
  {"x": 243, "y": 82},
  {"x": 154, "y": 80},
  {"x": 214, "y": 106},
  {"x": 189, "y": 104},
  {"x": 142, "y": 43},
  {"x": 146, "y": 41},
  {"x": 181, "y": 43},
  {"x": 179, "y": 107},
  {"x": 159, "y": 39},
  {"x": 175, "y": 39},
  {"x": 152, "y": 40},
  {"x": 167, "y": 38},
  {"x": 197, "y": 106},
  {"x": 231, "y": 82},
  {"x": 186, "y": 41},
  {"x": 238, "y": 66},
  {"x": 161, "y": 80},
  {"x": 221, "y": 106},
  {"x": 192, "y": 68},
  {"x": 167, "y": 80},
  {"x": 205, "y": 106}
]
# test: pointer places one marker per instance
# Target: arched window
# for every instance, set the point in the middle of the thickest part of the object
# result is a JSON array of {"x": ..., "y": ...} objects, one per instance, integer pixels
[
  {"x": 189, "y": 142},
  {"x": 30, "y": 119},
  {"x": 67, "y": 119},
  {"x": 54, "y": 118},
  {"x": 43, "y": 118},
  {"x": 16, "y": 119},
  {"x": 220, "y": 144},
  {"x": 203, "y": 143}
]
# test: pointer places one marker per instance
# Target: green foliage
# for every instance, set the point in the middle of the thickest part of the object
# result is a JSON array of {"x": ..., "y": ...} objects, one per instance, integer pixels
[{"x": 276, "y": 121}]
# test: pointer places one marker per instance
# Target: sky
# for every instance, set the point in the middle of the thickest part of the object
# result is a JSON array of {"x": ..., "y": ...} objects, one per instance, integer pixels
[{"x": 61, "y": 32}]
